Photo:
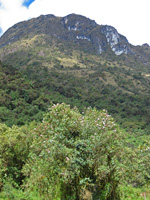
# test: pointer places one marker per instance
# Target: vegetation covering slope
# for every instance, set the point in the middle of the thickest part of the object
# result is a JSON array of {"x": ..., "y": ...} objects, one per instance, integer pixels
[{"x": 79, "y": 79}]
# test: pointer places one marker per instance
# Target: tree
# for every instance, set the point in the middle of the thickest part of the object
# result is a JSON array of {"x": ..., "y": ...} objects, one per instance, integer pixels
[
  {"x": 74, "y": 153},
  {"x": 14, "y": 145}
]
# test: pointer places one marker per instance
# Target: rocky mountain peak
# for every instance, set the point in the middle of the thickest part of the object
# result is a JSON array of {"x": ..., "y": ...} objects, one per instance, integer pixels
[
  {"x": 78, "y": 22},
  {"x": 76, "y": 29},
  {"x": 146, "y": 45},
  {"x": 86, "y": 30}
]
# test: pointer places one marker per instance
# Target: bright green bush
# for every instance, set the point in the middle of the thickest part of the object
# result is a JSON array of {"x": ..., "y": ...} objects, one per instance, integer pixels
[
  {"x": 73, "y": 154},
  {"x": 14, "y": 149},
  {"x": 128, "y": 192}
]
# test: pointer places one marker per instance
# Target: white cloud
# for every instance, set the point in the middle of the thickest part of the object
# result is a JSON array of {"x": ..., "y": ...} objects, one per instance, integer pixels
[
  {"x": 129, "y": 17},
  {"x": 11, "y": 12}
]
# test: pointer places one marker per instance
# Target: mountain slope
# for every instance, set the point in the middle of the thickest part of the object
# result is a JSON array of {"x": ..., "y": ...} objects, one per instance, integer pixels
[{"x": 74, "y": 60}]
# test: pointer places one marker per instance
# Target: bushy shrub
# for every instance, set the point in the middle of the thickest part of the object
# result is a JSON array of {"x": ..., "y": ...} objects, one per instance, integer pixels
[{"x": 73, "y": 154}]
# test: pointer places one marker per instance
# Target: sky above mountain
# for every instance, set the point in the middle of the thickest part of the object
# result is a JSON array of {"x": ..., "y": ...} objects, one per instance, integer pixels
[{"x": 129, "y": 17}]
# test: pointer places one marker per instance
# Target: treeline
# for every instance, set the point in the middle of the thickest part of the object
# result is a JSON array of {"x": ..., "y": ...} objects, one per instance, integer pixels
[{"x": 72, "y": 156}]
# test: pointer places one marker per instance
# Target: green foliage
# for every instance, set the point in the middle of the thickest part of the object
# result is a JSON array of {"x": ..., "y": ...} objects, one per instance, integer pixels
[
  {"x": 11, "y": 190},
  {"x": 74, "y": 153},
  {"x": 131, "y": 193},
  {"x": 19, "y": 100},
  {"x": 14, "y": 150}
]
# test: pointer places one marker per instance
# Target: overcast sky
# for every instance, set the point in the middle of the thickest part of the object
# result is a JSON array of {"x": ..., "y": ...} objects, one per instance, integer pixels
[{"x": 130, "y": 17}]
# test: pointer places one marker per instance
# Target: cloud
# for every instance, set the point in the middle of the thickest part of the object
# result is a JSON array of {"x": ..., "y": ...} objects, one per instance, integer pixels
[{"x": 11, "y": 12}]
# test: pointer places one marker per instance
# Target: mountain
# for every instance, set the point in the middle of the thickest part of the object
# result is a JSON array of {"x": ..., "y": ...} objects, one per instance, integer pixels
[
  {"x": 79, "y": 30},
  {"x": 73, "y": 28},
  {"x": 72, "y": 59}
]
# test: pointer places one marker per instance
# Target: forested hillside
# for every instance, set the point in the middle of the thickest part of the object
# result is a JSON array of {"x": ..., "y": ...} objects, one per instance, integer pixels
[
  {"x": 27, "y": 92},
  {"x": 74, "y": 112}
]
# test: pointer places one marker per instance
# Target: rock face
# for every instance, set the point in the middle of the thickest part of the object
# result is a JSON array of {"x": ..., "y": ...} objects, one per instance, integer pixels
[{"x": 118, "y": 43}]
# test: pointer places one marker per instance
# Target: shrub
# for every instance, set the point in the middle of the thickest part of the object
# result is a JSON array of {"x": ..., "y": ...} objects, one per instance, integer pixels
[{"x": 73, "y": 154}]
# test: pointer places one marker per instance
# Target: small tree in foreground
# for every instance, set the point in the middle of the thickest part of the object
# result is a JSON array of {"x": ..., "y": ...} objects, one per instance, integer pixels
[{"x": 78, "y": 156}]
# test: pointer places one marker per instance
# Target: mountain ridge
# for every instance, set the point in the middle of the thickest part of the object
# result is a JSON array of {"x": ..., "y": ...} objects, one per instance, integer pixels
[
  {"x": 71, "y": 27},
  {"x": 78, "y": 31}
]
